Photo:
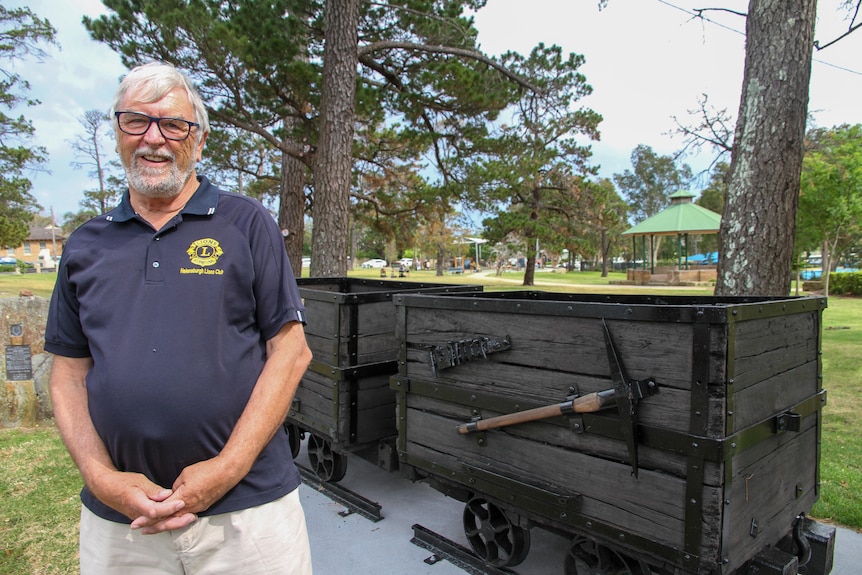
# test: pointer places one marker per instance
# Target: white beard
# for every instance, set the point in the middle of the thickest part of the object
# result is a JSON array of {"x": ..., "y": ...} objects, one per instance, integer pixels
[{"x": 153, "y": 182}]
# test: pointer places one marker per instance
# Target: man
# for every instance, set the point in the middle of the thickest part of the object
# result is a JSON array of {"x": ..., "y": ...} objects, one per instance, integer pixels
[{"x": 177, "y": 329}]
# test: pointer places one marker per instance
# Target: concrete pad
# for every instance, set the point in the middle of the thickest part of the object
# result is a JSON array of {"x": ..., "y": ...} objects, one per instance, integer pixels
[{"x": 353, "y": 545}]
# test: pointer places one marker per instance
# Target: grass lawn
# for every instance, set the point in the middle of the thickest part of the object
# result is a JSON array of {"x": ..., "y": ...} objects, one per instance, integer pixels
[
  {"x": 39, "y": 485},
  {"x": 841, "y": 459},
  {"x": 39, "y": 504},
  {"x": 11, "y": 284}
]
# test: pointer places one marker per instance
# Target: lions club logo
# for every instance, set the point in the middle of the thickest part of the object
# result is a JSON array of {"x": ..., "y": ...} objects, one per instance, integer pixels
[{"x": 204, "y": 252}]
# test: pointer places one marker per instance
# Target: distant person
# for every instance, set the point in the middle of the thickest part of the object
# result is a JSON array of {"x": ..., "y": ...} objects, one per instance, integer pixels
[{"x": 177, "y": 329}]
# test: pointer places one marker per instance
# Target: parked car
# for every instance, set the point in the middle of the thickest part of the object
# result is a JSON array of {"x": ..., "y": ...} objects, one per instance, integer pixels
[
  {"x": 406, "y": 262},
  {"x": 8, "y": 261},
  {"x": 374, "y": 263},
  {"x": 306, "y": 261}
]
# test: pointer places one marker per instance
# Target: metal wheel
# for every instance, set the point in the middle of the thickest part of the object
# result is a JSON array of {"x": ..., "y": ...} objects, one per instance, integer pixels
[
  {"x": 295, "y": 434},
  {"x": 327, "y": 464},
  {"x": 493, "y": 536},
  {"x": 589, "y": 557}
]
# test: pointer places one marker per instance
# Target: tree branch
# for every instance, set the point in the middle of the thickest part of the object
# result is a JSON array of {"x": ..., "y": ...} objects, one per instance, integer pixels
[
  {"x": 700, "y": 11},
  {"x": 463, "y": 52},
  {"x": 841, "y": 37}
]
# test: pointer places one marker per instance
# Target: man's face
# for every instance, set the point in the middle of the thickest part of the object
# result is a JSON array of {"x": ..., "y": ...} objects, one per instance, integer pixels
[{"x": 155, "y": 166}]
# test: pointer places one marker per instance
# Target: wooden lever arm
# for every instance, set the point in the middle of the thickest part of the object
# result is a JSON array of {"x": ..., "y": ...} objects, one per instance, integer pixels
[{"x": 585, "y": 404}]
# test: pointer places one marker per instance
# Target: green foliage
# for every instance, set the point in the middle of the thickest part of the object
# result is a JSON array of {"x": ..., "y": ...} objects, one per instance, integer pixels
[
  {"x": 534, "y": 164},
  {"x": 830, "y": 199},
  {"x": 21, "y": 31},
  {"x": 846, "y": 283},
  {"x": 651, "y": 181},
  {"x": 424, "y": 93},
  {"x": 39, "y": 506},
  {"x": 841, "y": 457},
  {"x": 257, "y": 63},
  {"x": 713, "y": 196}
]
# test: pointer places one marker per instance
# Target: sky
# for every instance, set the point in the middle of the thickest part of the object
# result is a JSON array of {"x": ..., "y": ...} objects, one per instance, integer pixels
[{"x": 647, "y": 61}]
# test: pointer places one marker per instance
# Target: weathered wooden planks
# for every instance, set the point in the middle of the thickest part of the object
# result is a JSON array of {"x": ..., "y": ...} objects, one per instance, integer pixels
[
  {"x": 722, "y": 470},
  {"x": 352, "y": 321},
  {"x": 344, "y": 397}
]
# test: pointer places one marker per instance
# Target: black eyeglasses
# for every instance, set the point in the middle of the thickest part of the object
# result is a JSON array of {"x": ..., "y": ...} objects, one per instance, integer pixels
[{"x": 137, "y": 124}]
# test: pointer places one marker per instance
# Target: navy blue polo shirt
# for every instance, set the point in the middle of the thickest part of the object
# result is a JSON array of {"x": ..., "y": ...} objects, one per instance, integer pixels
[{"x": 176, "y": 322}]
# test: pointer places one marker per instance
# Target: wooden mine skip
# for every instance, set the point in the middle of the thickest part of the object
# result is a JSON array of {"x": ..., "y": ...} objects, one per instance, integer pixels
[
  {"x": 727, "y": 452},
  {"x": 344, "y": 400}
]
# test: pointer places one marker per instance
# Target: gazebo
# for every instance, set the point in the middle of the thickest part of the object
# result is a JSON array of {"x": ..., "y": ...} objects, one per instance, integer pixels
[{"x": 682, "y": 218}]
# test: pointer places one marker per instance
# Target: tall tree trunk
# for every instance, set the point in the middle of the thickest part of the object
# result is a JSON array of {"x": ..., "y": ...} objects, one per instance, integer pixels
[
  {"x": 291, "y": 209},
  {"x": 441, "y": 256},
  {"x": 535, "y": 203},
  {"x": 334, "y": 159},
  {"x": 656, "y": 248},
  {"x": 606, "y": 248},
  {"x": 758, "y": 223},
  {"x": 825, "y": 265},
  {"x": 530, "y": 270}
]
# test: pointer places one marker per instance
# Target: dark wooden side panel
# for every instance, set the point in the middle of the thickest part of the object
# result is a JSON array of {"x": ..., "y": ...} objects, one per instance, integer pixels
[
  {"x": 375, "y": 330},
  {"x": 772, "y": 483},
  {"x": 375, "y": 409},
  {"x": 559, "y": 432},
  {"x": 771, "y": 346},
  {"x": 714, "y": 481},
  {"x": 320, "y": 329},
  {"x": 320, "y": 407},
  {"x": 376, "y": 423},
  {"x": 650, "y": 506},
  {"x": 349, "y": 411},
  {"x": 572, "y": 345},
  {"x": 352, "y": 322},
  {"x": 775, "y": 394},
  {"x": 552, "y": 356}
]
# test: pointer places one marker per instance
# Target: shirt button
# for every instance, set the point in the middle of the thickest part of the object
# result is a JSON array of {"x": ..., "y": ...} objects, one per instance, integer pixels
[{"x": 155, "y": 264}]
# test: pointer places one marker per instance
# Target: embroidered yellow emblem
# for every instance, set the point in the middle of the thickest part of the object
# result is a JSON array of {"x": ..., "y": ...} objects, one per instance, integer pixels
[{"x": 204, "y": 252}]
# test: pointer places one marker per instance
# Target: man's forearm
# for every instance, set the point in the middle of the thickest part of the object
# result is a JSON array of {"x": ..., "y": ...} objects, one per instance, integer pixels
[
  {"x": 129, "y": 493},
  {"x": 68, "y": 386}
]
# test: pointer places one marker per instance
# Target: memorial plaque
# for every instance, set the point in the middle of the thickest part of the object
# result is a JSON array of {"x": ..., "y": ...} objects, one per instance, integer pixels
[{"x": 18, "y": 363}]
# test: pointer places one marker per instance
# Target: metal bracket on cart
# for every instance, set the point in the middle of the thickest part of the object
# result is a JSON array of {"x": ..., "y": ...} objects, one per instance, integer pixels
[
  {"x": 576, "y": 420},
  {"x": 787, "y": 421},
  {"x": 481, "y": 440},
  {"x": 809, "y": 545},
  {"x": 627, "y": 394}
]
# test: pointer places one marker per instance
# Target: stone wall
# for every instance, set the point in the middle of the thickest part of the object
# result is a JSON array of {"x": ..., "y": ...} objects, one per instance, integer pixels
[
  {"x": 25, "y": 367},
  {"x": 693, "y": 276}
]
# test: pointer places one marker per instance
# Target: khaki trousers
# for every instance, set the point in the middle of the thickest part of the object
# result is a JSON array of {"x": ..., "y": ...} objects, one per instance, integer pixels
[{"x": 268, "y": 539}]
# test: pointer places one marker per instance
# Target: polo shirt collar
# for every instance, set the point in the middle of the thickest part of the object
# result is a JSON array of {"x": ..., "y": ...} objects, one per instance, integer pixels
[{"x": 202, "y": 203}]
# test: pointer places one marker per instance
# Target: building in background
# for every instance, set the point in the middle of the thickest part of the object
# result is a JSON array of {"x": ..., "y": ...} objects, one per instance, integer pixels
[{"x": 43, "y": 245}]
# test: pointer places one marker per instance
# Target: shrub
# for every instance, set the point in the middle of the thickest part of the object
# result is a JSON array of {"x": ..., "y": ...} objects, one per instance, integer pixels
[{"x": 845, "y": 283}]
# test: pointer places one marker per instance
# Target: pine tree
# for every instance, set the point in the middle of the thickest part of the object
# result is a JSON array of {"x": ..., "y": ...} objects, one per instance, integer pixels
[{"x": 21, "y": 32}]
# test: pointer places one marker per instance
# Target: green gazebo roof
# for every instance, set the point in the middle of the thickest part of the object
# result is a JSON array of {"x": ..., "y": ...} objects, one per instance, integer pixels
[{"x": 681, "y": 217}]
